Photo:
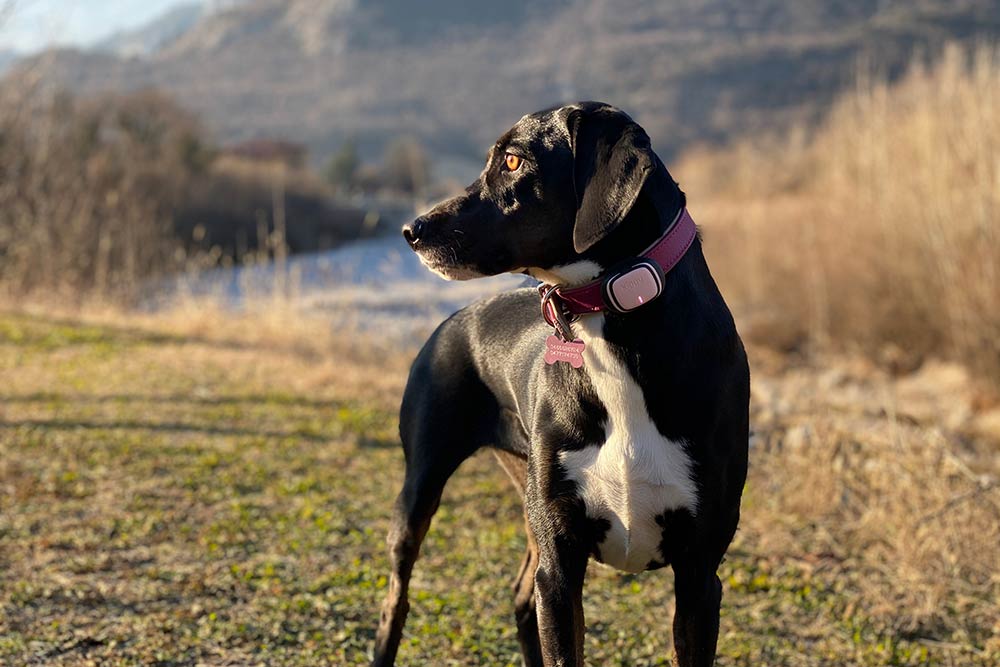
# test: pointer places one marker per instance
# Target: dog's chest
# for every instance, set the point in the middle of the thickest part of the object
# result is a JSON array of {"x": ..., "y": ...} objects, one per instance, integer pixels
[{"x": 636, "y": 474}]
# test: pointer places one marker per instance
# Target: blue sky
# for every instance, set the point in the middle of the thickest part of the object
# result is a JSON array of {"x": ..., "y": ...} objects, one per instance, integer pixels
[{"x": 35, "y": 24}]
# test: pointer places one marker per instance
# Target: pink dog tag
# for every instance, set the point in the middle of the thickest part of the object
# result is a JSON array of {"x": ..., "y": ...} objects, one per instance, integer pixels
[{"x": 571, "y": 352}]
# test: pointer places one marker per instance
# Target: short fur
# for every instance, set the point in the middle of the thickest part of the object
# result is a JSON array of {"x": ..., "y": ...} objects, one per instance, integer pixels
[{"x": 638, "y": 458}]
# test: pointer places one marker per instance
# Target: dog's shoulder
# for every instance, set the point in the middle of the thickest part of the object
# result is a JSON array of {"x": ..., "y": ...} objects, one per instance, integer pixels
[
  {"x": 494, "y": 322},
  {"x": 516, "y": 299},
  {"x": 505, "y": 312}
]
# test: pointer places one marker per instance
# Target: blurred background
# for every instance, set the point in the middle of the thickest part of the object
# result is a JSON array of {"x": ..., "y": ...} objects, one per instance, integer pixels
[{"x": 207, "y": 312}]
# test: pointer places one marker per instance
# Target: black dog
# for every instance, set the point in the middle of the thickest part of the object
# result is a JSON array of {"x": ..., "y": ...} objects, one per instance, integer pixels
[{"x": 637, "y": 457}]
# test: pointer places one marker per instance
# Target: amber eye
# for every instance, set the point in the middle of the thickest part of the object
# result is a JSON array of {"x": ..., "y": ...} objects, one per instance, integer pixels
[{"x": 513, "y": 161}]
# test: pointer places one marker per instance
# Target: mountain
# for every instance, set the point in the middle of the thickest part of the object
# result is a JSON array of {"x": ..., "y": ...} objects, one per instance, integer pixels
[
  {"x": 455, "y": 74},
  {"x": 7, "y": 59},
  {"x": 155, "y": 35}
]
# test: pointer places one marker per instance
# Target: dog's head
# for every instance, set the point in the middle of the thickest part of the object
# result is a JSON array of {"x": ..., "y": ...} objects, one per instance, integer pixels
[{"x": 554, "y": 186}]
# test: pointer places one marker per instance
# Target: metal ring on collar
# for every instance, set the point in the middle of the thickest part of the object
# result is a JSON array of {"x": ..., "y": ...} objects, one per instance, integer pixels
[{"x": 553, "y": 312}]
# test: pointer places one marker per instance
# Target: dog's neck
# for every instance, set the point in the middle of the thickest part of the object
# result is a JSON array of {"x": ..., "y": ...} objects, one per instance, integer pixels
[{"x": 655, "y": 209}]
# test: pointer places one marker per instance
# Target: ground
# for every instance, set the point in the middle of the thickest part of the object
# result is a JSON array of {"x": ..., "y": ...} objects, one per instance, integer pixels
[{"x": 192, "y": 494}]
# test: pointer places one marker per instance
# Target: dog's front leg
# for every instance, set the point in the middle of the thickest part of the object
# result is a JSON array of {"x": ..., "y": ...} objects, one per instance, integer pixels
[
  {"x": 562, "y": 565},
  {"x": 696, "y": 617},
  {"x": 559, "y": 602}
]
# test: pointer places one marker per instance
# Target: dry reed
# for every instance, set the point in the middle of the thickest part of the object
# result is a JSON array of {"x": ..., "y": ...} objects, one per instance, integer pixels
[{"x": 880, "y": 231}]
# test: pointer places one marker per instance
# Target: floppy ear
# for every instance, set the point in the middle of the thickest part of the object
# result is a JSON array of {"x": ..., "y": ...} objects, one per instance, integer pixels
[{"x": 612, "y": 158}]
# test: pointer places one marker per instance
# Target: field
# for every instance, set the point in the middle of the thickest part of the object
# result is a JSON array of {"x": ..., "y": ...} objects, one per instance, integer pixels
[
  {"x": 199, "y": 486},
  {"x": 187, "y": 489}
]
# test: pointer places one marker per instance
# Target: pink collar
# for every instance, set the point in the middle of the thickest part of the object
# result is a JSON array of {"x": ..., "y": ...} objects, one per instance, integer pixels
[{"x": 628, "y": 286}]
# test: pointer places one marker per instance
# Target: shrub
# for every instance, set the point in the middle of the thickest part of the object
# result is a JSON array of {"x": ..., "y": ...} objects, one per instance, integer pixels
[
  {"x": 87, "y": 188},
  {"x": 880, "y": 231}
]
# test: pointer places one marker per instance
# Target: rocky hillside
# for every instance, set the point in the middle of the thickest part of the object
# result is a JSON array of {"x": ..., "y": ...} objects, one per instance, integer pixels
[
  {"x": 156, "y": 35},
  {"x": 455, "y": 73}
]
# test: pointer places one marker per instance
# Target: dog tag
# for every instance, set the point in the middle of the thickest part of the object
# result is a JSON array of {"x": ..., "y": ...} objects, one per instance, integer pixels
[{"x": 570, "y": 352}]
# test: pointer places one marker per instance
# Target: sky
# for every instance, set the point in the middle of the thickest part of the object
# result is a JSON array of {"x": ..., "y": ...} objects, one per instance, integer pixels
[{"x": 36, "y": 24}]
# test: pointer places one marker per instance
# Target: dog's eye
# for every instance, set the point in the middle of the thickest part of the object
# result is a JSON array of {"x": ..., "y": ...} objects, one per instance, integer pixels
[{"x": 512, "y": 161}]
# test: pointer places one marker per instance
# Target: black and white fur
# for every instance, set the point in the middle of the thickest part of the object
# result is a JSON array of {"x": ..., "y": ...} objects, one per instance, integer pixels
[{"x": 638, "y": 459}]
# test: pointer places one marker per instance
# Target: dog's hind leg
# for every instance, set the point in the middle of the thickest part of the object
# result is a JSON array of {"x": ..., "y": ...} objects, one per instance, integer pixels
[
  {"x": 524, "y": 606},
  {"x": 525, "y": 612},
  {"x": 415, "y": 506},
  {"x": 446, "y": 416}
]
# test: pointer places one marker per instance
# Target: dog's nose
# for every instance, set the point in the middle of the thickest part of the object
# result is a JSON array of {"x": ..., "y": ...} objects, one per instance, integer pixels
[{"x": 412, "y": 232}]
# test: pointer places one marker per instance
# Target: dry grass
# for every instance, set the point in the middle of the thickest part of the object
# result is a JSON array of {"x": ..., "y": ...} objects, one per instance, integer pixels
[
  {"x": 865, "y": 477},
  {"x": 881, "y": 231}
]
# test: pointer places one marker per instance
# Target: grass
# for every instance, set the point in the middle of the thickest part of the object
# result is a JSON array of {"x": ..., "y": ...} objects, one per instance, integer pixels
[{"x": 186, "y": 491}]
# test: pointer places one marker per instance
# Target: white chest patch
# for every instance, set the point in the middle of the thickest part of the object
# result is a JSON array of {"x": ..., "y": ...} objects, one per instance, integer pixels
[{"x": 637, "y": 474}]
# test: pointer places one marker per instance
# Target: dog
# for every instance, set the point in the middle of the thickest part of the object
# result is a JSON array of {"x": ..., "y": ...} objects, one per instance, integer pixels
[{"x": 616, "y": 396}]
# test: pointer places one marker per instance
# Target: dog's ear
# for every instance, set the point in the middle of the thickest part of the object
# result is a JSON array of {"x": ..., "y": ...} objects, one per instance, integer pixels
[{"x": 612, "y": 158}]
